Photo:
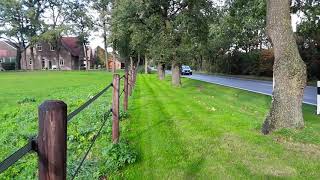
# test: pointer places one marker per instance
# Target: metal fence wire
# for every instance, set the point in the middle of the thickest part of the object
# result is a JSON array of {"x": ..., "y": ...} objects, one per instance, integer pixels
[{"x": 105, "y": 119}]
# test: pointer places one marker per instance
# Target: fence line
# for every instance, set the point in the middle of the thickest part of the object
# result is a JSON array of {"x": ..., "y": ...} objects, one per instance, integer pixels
[
  {"x": 91, "y": 145},
  {"x": 82, "y": 107},
  {"x": 51, "y": 143}
]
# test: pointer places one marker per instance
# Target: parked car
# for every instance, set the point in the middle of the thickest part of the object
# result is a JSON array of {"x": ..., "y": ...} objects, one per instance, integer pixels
[{"x": 186, "y": 70}]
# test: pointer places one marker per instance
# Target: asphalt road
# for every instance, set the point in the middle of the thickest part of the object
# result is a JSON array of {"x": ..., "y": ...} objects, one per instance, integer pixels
[{"x": 257, "y": 86}]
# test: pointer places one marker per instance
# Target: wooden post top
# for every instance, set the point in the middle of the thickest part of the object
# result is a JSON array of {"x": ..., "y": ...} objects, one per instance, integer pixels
[{"x": 52, "y": 105}]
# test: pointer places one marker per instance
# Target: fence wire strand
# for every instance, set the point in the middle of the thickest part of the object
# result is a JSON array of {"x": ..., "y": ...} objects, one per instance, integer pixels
[
  {"x": 122, "y": 77},
  {"x": 106, "y": 116},
  {"x": 83, "y": 106},
  {"x": 13, "y": 158},
  {"x": 121, "y": 93}
]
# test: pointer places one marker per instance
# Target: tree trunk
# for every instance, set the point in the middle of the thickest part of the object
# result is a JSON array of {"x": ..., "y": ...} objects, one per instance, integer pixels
[
  {"x": 114, "y": 63},
  {"x": 176, "y": 78},
  {"x": 32, "y": 57},
  {"x": 105, "y": 45},
  {"x": 86, "y": 56},
  {"x": 289, "y": 71},
  {"x": 25, "y": 58},
  {"x": 145, "y": 65},
  {"x": 58, "y": 57},
  {"x": 161, "y": 71},
  {"x": 18, "y": 59},
  {"x": 138, "y": 63}
]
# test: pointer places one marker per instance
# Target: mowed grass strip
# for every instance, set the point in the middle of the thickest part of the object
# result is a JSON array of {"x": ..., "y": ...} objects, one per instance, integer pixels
[{"x": 205, "y": 131}]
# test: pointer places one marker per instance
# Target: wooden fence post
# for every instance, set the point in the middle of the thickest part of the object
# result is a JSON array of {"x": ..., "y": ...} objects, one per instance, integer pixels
[
  {"x": 52, "y": 140},
  {"x": 115, "y": 109},
  {"x": 131, "y": 81},
  {"x": 125, "y": 98},
  {"x": 132, "y": 76}
]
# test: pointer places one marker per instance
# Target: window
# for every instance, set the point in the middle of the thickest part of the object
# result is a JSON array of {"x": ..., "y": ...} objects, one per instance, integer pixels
[
  {"x": 61, "y": 62},
  {"x": 39, "y": 47},
  {"x": 52, "y": 48},
  {"x": 30, "y": 61}
]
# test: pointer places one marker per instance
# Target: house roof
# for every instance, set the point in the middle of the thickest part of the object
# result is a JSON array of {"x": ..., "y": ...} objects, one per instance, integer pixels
[
  {"x": 9, "y": 43},
  {"x": 72, "y": 44},
  {"x": 12, "y": 44}
]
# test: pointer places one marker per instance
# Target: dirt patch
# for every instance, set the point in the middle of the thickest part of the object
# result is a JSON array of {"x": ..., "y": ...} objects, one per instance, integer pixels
[
  {"x": 308, "y": 150},
  {"x": 200, "y": 88},
  {"x": 255, "y": 158}
]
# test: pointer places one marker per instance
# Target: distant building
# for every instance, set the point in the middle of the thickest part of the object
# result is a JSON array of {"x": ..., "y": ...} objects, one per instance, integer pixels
[
  {"x": 100, "y": 60},
  {"x": 114, "y": 59},
  {"x": 8, "y": 52},
  {"x": 71, "y": 56}
]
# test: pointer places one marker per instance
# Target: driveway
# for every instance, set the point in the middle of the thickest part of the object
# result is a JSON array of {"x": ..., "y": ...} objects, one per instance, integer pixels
[{"x": 257, "y": 86}]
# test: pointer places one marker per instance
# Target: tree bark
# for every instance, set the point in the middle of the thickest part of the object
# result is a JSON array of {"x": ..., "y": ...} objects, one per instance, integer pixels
[
  {"x": 289, "y": 71},
  {"x": 161, "y": 71},
  {"x": 114, "y": 63},
  {"x": 18, "y": 59},
  {"x": 176, "y": 78},
  {"x": 105, "y": 45},
  {"x": 32, "y": 57},
  {"x": 145, "y": 64},
  {"x": 25, "y": 58},
  {"x": 58, "y": 57}
]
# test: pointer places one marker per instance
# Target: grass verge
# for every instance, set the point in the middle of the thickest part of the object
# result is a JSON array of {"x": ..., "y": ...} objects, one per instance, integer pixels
[{"x": 202, "y": 131}]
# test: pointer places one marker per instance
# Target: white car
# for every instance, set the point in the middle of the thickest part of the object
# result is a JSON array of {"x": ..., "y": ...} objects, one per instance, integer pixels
[{"x": 186, "y": 70}]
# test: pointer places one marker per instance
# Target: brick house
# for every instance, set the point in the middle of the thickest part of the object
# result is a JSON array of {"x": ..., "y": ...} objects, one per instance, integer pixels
[
  {"x": 8, "y": 53},
  {"x": 113, "y": 59},
  {"x": 71, "y": 56}
]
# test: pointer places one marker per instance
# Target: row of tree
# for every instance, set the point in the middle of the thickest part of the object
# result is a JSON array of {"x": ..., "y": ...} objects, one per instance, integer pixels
[
  {"x": 27, "y": 22},
  {"x": 174, "y": 32}
]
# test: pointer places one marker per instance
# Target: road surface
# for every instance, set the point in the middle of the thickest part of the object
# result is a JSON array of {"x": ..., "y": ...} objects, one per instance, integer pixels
[{"x": 257, "y": 86}]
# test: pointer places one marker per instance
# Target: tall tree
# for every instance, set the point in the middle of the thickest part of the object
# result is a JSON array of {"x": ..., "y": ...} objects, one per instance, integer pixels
[
  {"x": 289, "y": 70},
  {"x": 83, "y": 25},
  {"x": 58, "y": 14},
  {"x": 14, "y": 23},
  {"x": 103, "y": 8},
  {"x": 34, "y": 10}
]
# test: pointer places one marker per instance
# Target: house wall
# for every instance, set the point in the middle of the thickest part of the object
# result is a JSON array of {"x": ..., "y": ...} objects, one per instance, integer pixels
[
  {"x": 7, "y": 53},
  {"x": 49, "y": 57}
]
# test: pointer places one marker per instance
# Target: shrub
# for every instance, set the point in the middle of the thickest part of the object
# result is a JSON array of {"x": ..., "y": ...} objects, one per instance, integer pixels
[
  {"x": 8, "y": 66},
  {"x": 27, "y": 100},
  {"x": 117, "y": 156}
]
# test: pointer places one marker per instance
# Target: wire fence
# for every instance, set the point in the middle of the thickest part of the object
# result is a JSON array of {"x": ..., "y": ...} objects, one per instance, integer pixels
[
  {"x": 32, "y": 144},
  {"x": 105, "y": 118}
]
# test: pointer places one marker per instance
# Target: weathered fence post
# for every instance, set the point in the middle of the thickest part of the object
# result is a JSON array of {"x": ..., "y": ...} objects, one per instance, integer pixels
[
  {"x": 115, "y": 109},
  {"x": 133, "y": 74},
  {"x": 130, "y": 81},
  {"x": 52, "y": 140},
  {"x": 125, "y": 98}
]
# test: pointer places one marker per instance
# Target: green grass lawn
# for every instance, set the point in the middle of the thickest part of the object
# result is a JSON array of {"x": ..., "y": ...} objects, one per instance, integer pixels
[
  {"x": 205, "y": 131},
  {"x": 20, "y": 95},
  {"x": 198, "y": 131}
]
